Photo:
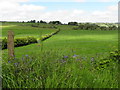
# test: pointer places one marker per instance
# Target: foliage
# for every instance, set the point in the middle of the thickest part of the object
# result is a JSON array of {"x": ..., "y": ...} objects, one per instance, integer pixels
[
  {"x": 42, "y": 21},
  {"x": 32, "y": 21},
  {"x": 51, "y": 64},
  {"x": 72, "y": 23},
  {"x": 114, "y": 57},
  {"x": 19, "y": 41},
  {"x": 44, "y": 37},
  {"x": 27, "y": 40},
  {"x": 51, "y": 70},
  {"x": 55, "y": 22},
  {"x": 24, "y": 41},
  {"x": 90, "y": 26},
  {"x": 4, "y": 43}
]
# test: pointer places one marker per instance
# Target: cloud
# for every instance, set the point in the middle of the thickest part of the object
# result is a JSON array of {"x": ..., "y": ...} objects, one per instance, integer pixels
[
  {"x": 71, "y": 0},
  {"x": 16, "y": 11},
  {"x": 113, "y": 8},
  {"x": 108, "y": 15},
  {"x": 58, "y": 0},
  {"x": 62, "y": 15},
  {"x": 14, "y": 1},
  {"x": 13, "y": 10}
]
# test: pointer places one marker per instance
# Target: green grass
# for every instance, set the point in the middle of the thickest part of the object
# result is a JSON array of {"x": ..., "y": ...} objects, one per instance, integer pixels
[
  {"x": 52, "y": 64},
  {"x": 25, "y": 30},
  {"x": 81, "y": 42}
]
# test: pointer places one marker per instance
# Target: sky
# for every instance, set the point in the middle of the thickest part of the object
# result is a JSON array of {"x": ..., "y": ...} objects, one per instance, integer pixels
[{"x": 59, "y": 10}]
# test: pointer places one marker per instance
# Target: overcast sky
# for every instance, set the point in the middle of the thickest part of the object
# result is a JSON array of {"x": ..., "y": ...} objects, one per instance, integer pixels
[{"x": 62, "y": 10}]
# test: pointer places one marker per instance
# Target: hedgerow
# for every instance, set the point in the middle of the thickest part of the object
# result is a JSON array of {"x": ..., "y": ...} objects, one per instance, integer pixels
[
  {"x": 19, "y": 41},
  {"x": 88, "y": 26},
  {"x": 27, "y": 40}
]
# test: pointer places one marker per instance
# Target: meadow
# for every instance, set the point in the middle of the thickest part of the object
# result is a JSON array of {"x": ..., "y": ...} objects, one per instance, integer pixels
[{"x": 69, "y": 59}]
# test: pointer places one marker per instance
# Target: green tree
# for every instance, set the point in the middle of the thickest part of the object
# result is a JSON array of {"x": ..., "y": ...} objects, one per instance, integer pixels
[
  {"x": 72, "y": 23},
  {"x": 55, "y": 22}
]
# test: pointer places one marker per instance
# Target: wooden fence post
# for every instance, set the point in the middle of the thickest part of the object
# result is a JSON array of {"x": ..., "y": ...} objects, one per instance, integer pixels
[{"x": 10, "y": 44}]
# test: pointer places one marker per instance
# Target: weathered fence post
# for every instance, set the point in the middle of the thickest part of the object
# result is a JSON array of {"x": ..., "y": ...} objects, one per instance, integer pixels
[{"x": 10, "y": 44}]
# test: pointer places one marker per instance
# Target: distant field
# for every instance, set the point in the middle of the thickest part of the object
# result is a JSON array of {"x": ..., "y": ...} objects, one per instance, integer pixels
[
  {"x": 25, "y": 30},
  {"x": 82, "y": 42}
]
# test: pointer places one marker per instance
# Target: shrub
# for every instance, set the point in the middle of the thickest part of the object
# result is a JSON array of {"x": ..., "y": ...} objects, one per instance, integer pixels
[
  {"x": 114, "y": 57},
  {"x": 89, "y": 26},
  {"x": 48, "y": 35},
  {"x": 72, "y": 23},
  {"x": 4, "y": 43},
  {"x": 19, "y": 41},
  {"x": 24, "y": 41}
]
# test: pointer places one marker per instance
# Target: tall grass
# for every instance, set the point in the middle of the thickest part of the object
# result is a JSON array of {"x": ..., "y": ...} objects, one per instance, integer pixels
[{"x": 52, "y": 70}]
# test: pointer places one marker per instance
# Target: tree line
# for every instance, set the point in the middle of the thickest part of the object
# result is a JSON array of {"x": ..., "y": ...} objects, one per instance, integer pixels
[
  {"x": 79, "y": 26},
  {"x": 51, "y": 22}
]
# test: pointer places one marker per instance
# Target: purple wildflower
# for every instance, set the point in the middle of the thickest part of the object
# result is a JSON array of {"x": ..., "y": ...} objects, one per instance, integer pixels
[
  {"x": 15, "y": 64},
  {"x": 26, "y": 55},
  {"x": 9, "y": 61},
  {"x": 75, "y": 56},
  {"x": 65, "y": 56}
]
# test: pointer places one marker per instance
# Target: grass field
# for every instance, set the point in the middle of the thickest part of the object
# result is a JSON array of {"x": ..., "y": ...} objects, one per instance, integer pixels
[
  {"x": 62, "y": 61},
  {"x": 21, "y": 30}
]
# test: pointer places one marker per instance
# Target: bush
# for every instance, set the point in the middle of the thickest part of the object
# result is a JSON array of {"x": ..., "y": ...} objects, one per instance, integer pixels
[
  {"x": 72, "y": 23},
  {"x": 19, "y": 41},
  {"x": 4, "y": 43},
  {"x": 24, "y": 41},
  {"x": 89, "y": 26},
  {"x": 48, "y": 35},
  {"x": 114, "y": 57}
]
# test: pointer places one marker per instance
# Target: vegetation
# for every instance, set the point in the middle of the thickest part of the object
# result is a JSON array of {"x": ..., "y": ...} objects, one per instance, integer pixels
[
  {"x": 70, "y": 59},
  {"x": 27, "y": 40},
  {"x": 89, "y": 26},
  {"x": 72, "y": 23},
  {"x": 55, "y": 22},
  {"x": 20, "y": 42}
]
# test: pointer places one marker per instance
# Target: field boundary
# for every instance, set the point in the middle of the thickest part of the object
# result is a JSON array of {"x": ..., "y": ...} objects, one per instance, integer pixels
[{"x": 27, "y": 40}]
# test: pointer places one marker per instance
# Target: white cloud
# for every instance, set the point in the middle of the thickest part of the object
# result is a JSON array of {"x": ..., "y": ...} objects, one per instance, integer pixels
[
  {"x": 113, "y": 8},
  {"x": 15, "y": 11},
  {"x": 58, "y": 0},
  {"x": 108, "y": 15},
  {"x": 70, "y": 0},
  {"x": 14, "y": 1},
  {"x": 62, "y": 15},
  {"x": 12, "y": 10}
]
